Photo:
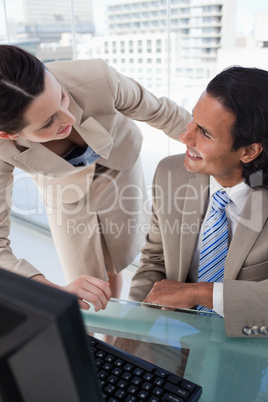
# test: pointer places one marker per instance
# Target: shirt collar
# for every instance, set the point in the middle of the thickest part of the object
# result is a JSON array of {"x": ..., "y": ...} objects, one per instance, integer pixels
[{"x": 237, "y": 193}]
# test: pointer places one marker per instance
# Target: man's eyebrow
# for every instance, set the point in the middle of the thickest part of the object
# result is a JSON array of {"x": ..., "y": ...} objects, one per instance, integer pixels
[
  {"x": 206, "y": 131},
  {"x": 203, "y": 128}
]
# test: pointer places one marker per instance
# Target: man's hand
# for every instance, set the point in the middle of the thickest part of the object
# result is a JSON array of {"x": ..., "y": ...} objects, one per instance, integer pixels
[
  {"x": 89, "y": 288},
  {"x": 176, "y": 294}
]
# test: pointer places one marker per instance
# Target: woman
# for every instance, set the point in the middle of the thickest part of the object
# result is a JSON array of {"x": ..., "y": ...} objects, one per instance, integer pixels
[{"x": 69, "y": 125}]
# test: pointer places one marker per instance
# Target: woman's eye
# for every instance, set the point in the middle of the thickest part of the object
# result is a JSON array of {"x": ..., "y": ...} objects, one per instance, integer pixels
[{"x": 49, "y": 123}]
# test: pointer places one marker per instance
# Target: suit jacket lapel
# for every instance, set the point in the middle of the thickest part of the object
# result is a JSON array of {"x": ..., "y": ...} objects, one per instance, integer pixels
[
  {"x": 193, "y": 213},
  {"x": 250, "y": 224}
]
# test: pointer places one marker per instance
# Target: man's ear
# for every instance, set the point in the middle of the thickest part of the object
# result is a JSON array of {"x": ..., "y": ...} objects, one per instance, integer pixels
[
  {"x": 6, "y": 136},
  {"x": 251, "y": 152}
]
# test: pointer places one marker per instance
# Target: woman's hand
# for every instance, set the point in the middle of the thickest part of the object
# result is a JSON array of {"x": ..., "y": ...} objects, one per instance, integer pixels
[
  {"x": 91, "y": 289},
  {"x": 86, "y": 288}
]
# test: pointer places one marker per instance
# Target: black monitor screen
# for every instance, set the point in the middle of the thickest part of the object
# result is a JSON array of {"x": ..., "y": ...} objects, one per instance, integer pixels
[{"x": 44, "y": 356}]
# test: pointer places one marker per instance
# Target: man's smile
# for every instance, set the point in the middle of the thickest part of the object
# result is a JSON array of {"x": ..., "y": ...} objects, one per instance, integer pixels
[{"x": 192, "y": 156}]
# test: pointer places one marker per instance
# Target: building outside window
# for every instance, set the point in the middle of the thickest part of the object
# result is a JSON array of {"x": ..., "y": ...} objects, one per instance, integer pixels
[{"x": 173, "y": 47}]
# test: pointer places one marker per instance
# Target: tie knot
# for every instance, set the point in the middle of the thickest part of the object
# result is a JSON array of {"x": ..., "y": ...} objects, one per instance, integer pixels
[{"x": 220, "y": 200}]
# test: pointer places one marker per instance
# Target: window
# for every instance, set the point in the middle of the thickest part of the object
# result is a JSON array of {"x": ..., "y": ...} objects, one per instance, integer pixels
[{"x": 134, "y": 34}]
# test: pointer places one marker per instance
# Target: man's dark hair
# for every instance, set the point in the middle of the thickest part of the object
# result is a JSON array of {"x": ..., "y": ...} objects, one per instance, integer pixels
[
  {"x": 22, "y": 79},
  {"x": 244, "y": 92}
]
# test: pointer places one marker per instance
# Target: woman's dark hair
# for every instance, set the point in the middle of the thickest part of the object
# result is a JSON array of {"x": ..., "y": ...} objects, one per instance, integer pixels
[
  {"x": 244, "y": 92},
  {"x": 22, "y": 78}
]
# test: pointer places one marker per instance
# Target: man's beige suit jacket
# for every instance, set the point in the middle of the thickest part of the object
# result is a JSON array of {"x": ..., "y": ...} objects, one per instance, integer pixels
[{"x": 180, "y": 202}]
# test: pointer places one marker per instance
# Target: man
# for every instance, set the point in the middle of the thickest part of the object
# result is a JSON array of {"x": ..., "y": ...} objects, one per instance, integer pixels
[{"x": 227, "y": 151}]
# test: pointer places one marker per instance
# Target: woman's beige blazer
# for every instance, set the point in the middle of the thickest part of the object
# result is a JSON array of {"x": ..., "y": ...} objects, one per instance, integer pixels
[{"x": 104, "y": 103}]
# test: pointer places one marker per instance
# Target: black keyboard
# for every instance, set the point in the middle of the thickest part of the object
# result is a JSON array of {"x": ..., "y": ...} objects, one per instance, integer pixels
[{"x": 125, "y": 377}]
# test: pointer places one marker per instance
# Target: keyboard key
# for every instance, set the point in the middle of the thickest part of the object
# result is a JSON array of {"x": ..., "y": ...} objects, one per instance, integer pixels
[
  {"x": 101, "y": 354},
  {"x": 112, "y": 379},
  {"x": 174, "y": 389},
  {"x": 120, "y": 394},
  {"x": 132, "y": 389},
  {"x": 126, "y": 376},
  {"x": 93, "y": 341},
  {"x": 159, "y": 381},
  {"x": 107, "y": 366},
  {"x": 138, "y": 371},
  {"x": 128, "y": 367},
  {"x": 109, "y": 389},
  {"x": 147, "y": 386},
  {"x": 117, "y": 371},
  {"x": 122, "y": 384},
  {"x": 148, "y": 376},
  {"x": 142, "y": 395},
  {"x": 172, "y": 398},
  {"x": 161, "y": 373},
  {"x": 119, "y": 363},
  {"x": 136, "y": 380},
  {"x": 187, "y": 385},
  {"x": 98, "y": 362},
  {"x": 130, "y": 398},
  {"x": 109, "y": 358},
  {"x": 174, "y": 379},
  {"x": 103, "y": 374},
  {"x": 154, "y": 399},
  {"x": 157, "y": 391}
]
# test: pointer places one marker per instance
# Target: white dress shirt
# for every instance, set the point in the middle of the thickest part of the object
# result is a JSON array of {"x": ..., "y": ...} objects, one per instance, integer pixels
[{"x": 238, "y": 195}]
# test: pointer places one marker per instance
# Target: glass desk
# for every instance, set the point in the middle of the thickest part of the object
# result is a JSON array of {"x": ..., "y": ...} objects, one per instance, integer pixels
[{"x": 191, "y": 345}]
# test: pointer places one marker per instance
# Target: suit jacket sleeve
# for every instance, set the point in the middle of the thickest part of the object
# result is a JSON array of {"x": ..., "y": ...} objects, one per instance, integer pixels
[
  {"x": 7, "y": 258},
  {"x": 245, "y": 305},
  {"x": 152, "y": 268}
]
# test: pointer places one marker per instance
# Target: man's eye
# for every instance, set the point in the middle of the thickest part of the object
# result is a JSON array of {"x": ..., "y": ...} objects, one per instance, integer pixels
[{"x": 205, "y": 133}]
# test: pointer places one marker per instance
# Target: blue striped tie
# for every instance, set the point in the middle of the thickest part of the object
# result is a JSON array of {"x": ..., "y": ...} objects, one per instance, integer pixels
[{"x": 214, "y": 246}]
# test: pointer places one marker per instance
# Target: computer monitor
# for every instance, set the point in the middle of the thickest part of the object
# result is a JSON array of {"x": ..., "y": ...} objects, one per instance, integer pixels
[{"x": 43, "y": 351}]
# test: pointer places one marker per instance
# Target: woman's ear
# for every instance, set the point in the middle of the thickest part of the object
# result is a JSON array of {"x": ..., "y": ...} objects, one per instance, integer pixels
[
  {"x": 6, "y": 136},
  {"x": 251, "y": 152}
]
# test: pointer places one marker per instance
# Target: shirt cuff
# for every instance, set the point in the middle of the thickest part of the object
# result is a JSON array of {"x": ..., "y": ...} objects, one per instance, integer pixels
[{"x": 218, "y": 298}]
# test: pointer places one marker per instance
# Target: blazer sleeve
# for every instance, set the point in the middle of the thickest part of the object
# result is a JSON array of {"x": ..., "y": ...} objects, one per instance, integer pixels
[
  {"x": 137, "y": 103},
  {"x": 152, "y": 268},
  {"x": 8, "y": 260},
  {"x": 245, "y": 308}
]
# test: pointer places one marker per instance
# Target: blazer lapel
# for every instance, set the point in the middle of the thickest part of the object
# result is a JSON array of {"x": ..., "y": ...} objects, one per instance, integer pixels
[
  {"x": 94, "y": 134},
  {"x": 40, "y": 159},
  {"x": 75, "y": 109},
  {"x": 193, "y": 213},
  {"x": 250, "y": 224},
  {"x": 55, "y": 178}
]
